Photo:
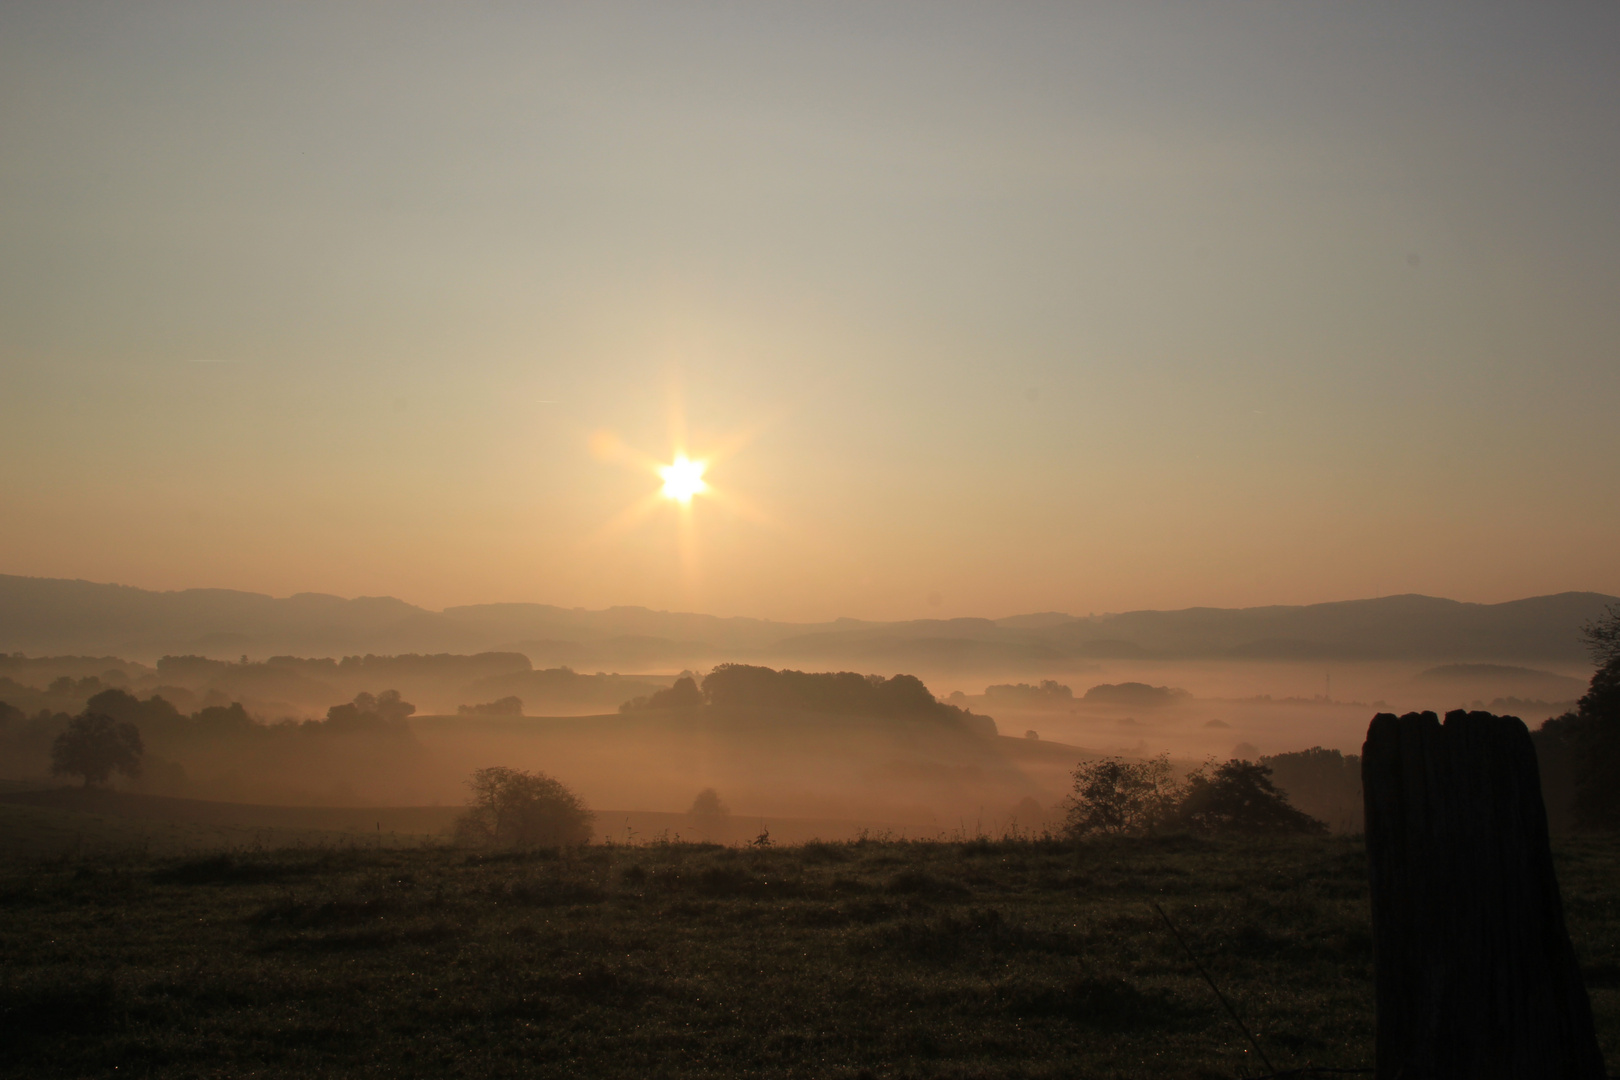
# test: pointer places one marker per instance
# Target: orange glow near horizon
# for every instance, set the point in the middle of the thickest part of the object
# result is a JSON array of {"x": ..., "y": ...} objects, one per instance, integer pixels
[{"x": 812, "y": 317}]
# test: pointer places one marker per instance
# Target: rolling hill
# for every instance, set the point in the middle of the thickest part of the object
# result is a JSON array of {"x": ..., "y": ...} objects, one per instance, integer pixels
[{"x": 44, "y": 615}]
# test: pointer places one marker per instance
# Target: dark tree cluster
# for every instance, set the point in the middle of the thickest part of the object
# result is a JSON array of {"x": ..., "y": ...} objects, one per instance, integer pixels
[
  {"x": 745, "y": 688},
  {"x": 1134, "y": 693},
  {"x": 683, "y": 695},
  {"x": 1114, "y": 796},
  {"x": 506, "y": 706},
  {"x": 95, "y": 746},
  {"x": 1582, "y": 748},
  {"x": 1240, "y": 797},
  {"x": 446, "y": 666},
  {"x": 384, "y": 712},
  {"x": 118, "y": 733},
  {"x": 67, "y": 685},
  {"x": 749, "y": 687},
  {"x": 1325, "y": 784},
  {"x": 1049, "y": 692}
]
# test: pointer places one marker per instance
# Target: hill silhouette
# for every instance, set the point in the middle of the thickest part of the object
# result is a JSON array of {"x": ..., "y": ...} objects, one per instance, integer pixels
[{"x": 59, "y": 616}]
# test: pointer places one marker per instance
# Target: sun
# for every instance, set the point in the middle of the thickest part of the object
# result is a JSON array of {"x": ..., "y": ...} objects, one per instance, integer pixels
[{"x": 683, "y": 478}]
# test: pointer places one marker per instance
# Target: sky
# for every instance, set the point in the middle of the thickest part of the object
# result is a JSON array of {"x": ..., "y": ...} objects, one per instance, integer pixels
[{"x": 972, "y": 309}]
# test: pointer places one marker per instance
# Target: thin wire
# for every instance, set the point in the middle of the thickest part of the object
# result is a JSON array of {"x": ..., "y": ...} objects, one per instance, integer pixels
[{"x": 1270, "y": 1068}]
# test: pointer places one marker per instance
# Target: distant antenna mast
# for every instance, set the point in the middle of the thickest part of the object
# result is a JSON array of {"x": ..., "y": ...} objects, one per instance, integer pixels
[{"x": 1328, "y": 695}]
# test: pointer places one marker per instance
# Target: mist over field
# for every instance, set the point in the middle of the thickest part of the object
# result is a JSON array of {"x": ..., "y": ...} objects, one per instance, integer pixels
[{"x": 1004, "y": 710}]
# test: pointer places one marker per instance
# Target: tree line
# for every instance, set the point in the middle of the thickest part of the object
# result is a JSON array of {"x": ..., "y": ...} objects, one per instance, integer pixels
[
  {"x": 117, "y": 733},
  {"x": 1580, "y": 750},
  {"x": 746, "y": 687},
  {"x": 1117, "y": 797}
]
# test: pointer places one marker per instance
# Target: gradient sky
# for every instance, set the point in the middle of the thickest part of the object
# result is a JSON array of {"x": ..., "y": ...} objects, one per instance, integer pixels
[{"x": 1001, "y": 307}]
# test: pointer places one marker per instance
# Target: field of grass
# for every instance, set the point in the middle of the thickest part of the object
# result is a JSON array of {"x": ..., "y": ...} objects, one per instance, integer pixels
[
  {"x": 43, "y": 821},
  {"x": 34, "y": 833},
  {"x": 86, "y": 824},
  {"x": 975, "y": 959}
]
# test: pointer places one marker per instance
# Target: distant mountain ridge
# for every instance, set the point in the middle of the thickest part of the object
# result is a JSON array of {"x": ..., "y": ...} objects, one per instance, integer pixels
[{"x": 49, "y": 615}]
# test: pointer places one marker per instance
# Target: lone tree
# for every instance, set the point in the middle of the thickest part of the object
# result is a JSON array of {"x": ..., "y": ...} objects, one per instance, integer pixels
[
  {"x": 95, "y": 746},
  {"x": 708, "y": 804},
  {"x": 510, "y": 807},
  {"x": 1240, "y": 797},
  {"x": 1113, "y": 796}
]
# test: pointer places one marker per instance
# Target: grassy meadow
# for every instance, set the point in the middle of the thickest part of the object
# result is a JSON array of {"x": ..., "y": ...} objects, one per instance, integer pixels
[{"x": 872, "y": 958}]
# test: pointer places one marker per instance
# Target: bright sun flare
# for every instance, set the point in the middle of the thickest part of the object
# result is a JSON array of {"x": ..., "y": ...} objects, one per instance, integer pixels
[{"x": 683, "y": 479}]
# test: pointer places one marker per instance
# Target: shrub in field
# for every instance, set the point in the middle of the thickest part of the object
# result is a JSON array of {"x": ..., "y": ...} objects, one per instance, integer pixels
[
  {"x": 95, "y": 746},
  {"x": 521, "y": 809},
  {"x": 1113, "y": 796}
]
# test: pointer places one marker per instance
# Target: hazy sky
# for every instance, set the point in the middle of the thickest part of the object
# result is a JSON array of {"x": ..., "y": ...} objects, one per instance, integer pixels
[{"x": 1002, "y": 307}]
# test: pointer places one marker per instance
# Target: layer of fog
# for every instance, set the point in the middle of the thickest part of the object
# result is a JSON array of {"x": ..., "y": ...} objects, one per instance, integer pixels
[{"x": 891, "y": 773}]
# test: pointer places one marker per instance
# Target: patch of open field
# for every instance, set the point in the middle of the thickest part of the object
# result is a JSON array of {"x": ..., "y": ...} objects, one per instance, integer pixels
[
  {"x": 61, "y": 819},
  {"x": 45, "y": 832},
  {"x": 984, "y": 959}
]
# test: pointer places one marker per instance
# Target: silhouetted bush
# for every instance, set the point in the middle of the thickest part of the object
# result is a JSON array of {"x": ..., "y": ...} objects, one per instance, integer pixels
[
  {"x": 1113, "y": 796},
  {"x": 708, "y": 804},
  {"x": 522, "y": 809}
]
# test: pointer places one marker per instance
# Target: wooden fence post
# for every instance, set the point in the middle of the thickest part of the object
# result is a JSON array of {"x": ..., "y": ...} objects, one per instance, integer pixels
[{"x": 1475, "y": 975}]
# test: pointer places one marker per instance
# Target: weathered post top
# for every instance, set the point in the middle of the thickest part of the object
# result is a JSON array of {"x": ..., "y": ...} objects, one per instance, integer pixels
[{"x": 1475, "y": 974}]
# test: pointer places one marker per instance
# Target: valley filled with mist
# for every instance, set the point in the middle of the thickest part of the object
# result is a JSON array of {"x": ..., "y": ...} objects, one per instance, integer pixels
[{"x": 999, "y": 715}]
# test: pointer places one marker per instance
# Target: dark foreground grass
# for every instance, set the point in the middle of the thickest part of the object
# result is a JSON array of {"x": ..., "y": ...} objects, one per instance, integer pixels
[{"x": 870, "y": 959}]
